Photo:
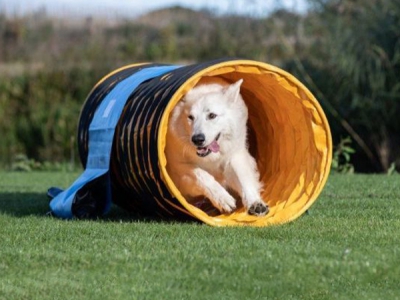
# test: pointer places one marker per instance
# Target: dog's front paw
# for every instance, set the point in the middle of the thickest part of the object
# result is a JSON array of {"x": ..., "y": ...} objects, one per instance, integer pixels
[
  {"x": 224, "y": 202},
  {"x": 228, "y": 205},
  {"x": 258, "y": 209}
]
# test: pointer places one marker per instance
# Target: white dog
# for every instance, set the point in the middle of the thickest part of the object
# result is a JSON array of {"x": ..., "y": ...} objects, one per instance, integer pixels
[{"x": 207, "y": 149}]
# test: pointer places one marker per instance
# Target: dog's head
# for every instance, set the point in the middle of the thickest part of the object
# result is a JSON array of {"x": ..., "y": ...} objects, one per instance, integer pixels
[{"x": 209, "y": 113}]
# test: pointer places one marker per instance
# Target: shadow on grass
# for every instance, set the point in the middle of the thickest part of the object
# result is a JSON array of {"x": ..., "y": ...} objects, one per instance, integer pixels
[
  {"x": 20, "y": 205},
  {"x": 24, "y": 204}
]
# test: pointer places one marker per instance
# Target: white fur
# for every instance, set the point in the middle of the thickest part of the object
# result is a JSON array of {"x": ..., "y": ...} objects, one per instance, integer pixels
[{"x": 230, "y": 168}]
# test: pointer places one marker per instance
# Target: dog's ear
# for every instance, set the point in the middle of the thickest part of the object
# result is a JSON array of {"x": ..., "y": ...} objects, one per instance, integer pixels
[{"x": 233, "y": 90}]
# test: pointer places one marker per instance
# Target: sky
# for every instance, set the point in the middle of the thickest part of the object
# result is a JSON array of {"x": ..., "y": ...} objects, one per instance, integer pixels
[{"x": 131, "y": 8}]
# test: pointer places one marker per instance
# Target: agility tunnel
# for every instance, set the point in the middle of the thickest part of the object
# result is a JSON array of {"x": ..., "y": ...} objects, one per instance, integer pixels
[{"x": 288, "y": 135}]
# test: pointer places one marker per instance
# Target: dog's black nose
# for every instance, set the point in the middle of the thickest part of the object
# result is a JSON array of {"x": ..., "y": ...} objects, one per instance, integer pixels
[{"x": 198, "y": 139}]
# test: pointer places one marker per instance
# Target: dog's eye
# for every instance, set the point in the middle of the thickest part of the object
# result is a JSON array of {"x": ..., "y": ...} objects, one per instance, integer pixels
[
  {"x": 211, "y": 116},
  {"x": 191, "y": 117}
]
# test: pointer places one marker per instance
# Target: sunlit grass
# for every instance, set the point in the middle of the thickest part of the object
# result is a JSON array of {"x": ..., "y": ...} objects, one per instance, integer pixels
[{"x": 347, "y": 247}]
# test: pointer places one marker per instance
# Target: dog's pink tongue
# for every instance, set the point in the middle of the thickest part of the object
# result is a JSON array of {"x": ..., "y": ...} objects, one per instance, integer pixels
[{"x": 214, "y": 147}]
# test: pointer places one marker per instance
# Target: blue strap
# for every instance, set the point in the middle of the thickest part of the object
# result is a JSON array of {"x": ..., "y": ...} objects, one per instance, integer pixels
[{"x": 101, "y": 134}]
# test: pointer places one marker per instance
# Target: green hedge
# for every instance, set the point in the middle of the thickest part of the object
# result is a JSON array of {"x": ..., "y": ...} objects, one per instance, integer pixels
[
  {"x": 39, "y": 113},
  {"x": 346, "y": 52}
]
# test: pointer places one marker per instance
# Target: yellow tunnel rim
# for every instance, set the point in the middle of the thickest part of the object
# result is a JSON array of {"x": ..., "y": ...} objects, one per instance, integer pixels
[{"x": 162, "y": 132}]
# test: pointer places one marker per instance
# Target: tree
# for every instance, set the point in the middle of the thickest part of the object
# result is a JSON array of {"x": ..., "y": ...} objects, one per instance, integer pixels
[{"x": 356, "y": 64}]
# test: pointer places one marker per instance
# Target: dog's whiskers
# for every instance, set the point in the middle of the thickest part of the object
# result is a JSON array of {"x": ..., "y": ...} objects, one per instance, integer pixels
[{"x": 185, "y": 149}]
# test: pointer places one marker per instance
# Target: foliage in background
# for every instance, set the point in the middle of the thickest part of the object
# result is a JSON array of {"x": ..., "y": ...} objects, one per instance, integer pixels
[
  {"x": 342, "y": 157},
  {"x": 347, "y": 52},
  {"x": 21, "y": 163},
  {"x": 354, "y": 61},
  {"x": 39, "y": 112}
]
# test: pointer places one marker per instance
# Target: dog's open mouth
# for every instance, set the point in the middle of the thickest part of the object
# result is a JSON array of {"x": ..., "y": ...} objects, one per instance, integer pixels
[{"x": 213, "y": 147}]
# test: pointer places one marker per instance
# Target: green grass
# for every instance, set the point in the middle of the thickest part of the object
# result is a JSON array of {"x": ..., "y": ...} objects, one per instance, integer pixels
[{"x": 347, "y": 247}]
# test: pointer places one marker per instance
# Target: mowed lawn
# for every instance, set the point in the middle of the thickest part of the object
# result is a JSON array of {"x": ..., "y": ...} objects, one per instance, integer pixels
[{"x": 347, "y": 247}]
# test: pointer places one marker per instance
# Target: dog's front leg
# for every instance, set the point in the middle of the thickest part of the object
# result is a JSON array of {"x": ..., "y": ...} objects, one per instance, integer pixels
[
  {"x": 242, "y": 173},
  {"x": 205, "y": 184}
]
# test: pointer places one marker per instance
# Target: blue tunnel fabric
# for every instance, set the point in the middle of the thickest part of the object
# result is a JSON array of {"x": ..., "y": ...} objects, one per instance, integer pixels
[{"x": 101, "y": 135}]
